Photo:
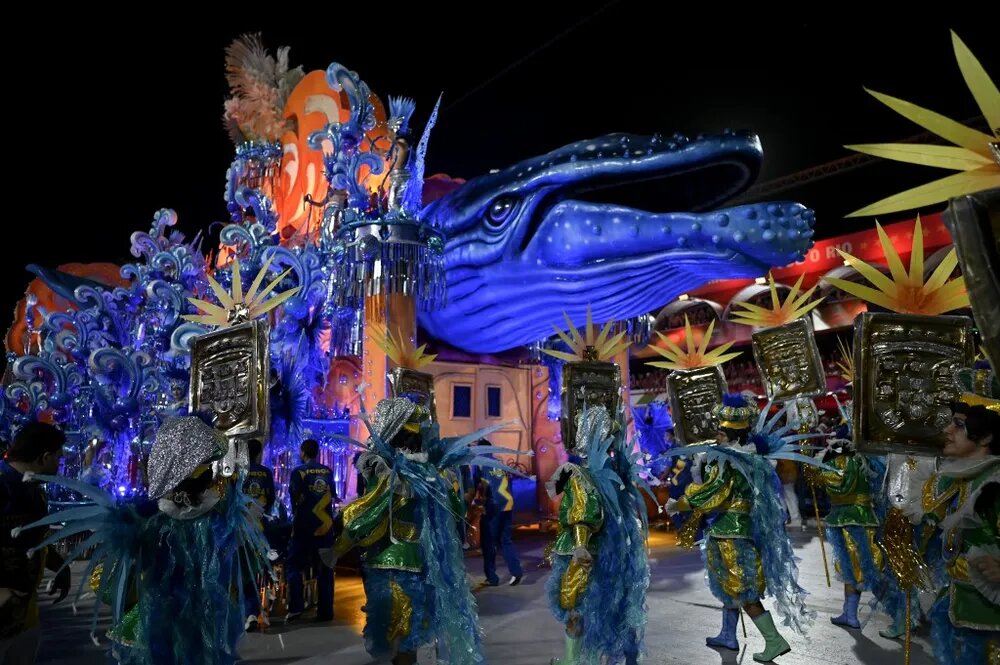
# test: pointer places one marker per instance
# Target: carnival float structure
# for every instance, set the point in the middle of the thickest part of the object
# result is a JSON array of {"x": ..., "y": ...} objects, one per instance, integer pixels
[{"x": 330, "y": 205}]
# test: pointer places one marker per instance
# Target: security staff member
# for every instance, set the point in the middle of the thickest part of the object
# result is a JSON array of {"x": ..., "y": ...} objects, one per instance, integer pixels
[
  {"x": 311, "y": 490},
  {"x": 497, "y": 523},
  {"x": 258, "y": 485}
]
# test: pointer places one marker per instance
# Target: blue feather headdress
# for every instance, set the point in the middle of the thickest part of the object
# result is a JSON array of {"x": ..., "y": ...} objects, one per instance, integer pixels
[{"x": 735, "y": 412}]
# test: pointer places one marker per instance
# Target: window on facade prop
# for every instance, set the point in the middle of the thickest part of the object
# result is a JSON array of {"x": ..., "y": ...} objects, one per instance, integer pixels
[
  {"x": 461, "y": 401},
  {"x": 493, "y": 402}
]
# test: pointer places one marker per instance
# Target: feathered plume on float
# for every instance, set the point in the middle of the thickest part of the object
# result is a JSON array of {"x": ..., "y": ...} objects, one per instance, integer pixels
[{"x": 260, "y": 85}]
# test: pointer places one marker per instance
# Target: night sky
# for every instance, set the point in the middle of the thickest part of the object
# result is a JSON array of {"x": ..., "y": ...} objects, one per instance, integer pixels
[{"x": 110, "y": 125}]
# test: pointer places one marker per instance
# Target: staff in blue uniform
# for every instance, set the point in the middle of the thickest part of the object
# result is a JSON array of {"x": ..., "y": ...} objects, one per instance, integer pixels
[
  {"x": 496, "y": 523},
  {"x": 258, "y": 485},
  {"x": 311, "y": 490}
]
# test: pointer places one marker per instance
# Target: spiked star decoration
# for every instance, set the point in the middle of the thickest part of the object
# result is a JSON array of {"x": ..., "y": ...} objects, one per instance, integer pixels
[
  {"x": 691, "y": 357},
  {"x": 846, "y": 362},
  {"x": 907, "y": 293},
  {"x": 590, "y": 345},
  {"x": 794, "y": 307},
  {"x": 975, "y": 155},
  {"x": 401, "y": 350},
  {"x": 238, "y": 307}
]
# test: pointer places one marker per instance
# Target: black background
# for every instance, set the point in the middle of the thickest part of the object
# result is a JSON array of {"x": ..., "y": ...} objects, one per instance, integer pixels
[{"x": 115, "y": 116}]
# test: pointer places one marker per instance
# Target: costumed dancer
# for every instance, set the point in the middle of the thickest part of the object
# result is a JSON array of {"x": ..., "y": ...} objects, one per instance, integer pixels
[
  {"x": 600, "y": 568},
  {"x": 851, "y": 524},
  {"x": 169, "y": 566},
  {"x": 746, "y": 549},
  {"x": 174, "y": 568},
  {"x": 414, "y": 570},
  {"x": 913, "y": 554},
  {"x": 963, "y": 501}
]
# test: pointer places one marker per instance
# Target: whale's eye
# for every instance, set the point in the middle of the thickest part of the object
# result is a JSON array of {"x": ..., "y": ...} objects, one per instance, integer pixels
[{"x": 500, "y": 211}]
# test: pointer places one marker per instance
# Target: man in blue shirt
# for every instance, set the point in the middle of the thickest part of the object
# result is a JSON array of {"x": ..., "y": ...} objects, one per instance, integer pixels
[
  {"x": 496, "y": 523},
  {"x": 259, "y": 482},
  {"x": 37, "y": 448},
  {"x": 258, "y": 485},
  {"x": 311, "y": 491}
]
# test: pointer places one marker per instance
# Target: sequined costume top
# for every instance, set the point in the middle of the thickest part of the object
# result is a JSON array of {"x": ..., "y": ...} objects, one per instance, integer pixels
[
  {"x": 385, "y": 522},
  {"x": 580, "y": 513},
  {"x": 850, "y": 492},
  {"x": 966, "y": 507},
  {"x": 725, "y": 492}
]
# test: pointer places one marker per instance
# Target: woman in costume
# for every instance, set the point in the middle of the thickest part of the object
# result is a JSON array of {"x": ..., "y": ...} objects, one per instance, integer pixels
[
  {"x": 169, "y": 567},
  {"x": 746, "y": 550}
]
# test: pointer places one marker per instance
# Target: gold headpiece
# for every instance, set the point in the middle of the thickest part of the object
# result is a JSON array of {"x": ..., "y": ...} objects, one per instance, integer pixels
[
  {"x": 979, "y": 387},
  {"x": 589, "y": 378},
  {"x": 975, "y": 155},
  {"x": 907, "y": 292},
  {"x": 735, "y": 412},
  {"x": 691, "y": 357},
  {"x": 238, "y": 307},
  {"x": 590, "y": 346},
  {"x": 405, "y": 379},
  {"x": 780, "y": 313}
]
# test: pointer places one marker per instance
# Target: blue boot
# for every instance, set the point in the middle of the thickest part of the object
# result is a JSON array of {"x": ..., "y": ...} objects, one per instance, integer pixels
[
  {"x": 726, "y": 639},
  {"x": 849, "y": 617}
]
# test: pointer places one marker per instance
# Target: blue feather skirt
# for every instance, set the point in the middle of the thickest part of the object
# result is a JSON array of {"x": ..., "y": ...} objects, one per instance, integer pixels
[
  {"x": 861, "y": 570},
  {"x": 438, "y": 606},
  {"x": 191, "y": 600},
  {"x": 733, "y": 580},
  {"x": 955, "y": 645},
  {"x": 554, "y": 584},
  {"x": 612, "y": 609},
  {"x": 383, "y": 619}
]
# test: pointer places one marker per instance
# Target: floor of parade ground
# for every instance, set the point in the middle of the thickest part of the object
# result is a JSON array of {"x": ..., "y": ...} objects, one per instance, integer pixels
[{"x": 521, "y": 631}]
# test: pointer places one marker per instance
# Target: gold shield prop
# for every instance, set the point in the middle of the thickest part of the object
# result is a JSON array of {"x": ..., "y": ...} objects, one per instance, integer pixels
[
  {"x": 974, "y": 224},
  {"x": 585, "y": 385},
  {"x": 905, "y": 380},
  {"x": 789, "y": 361},
  {"x": 693, "y": 393},
  {"x": 418, "y": 387},
  {"x": 230, "y": 375}
]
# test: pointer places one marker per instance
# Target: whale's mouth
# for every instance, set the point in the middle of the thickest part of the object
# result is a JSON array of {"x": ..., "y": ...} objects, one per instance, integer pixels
[{"x": 696, "y": 189}]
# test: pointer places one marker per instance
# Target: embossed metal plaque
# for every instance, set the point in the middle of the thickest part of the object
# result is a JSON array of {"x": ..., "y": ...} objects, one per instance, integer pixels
[
  {"x": 587, "y": 384},
  {"x": 974, "y": 223},
  {"x": 905, "y": 382},
  {"x": 418, "y": 387},
  {"x": 230, "y": 372},
  {"x": 693, "y": 393},
  {"x": 789, "y": 361}
]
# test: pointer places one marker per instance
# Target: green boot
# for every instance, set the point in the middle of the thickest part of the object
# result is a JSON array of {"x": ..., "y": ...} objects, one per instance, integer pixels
[
  {"x": 572, "y": 653},
  {"x": 774, "y": 644},
  {"x": 894, "y": 631}
]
